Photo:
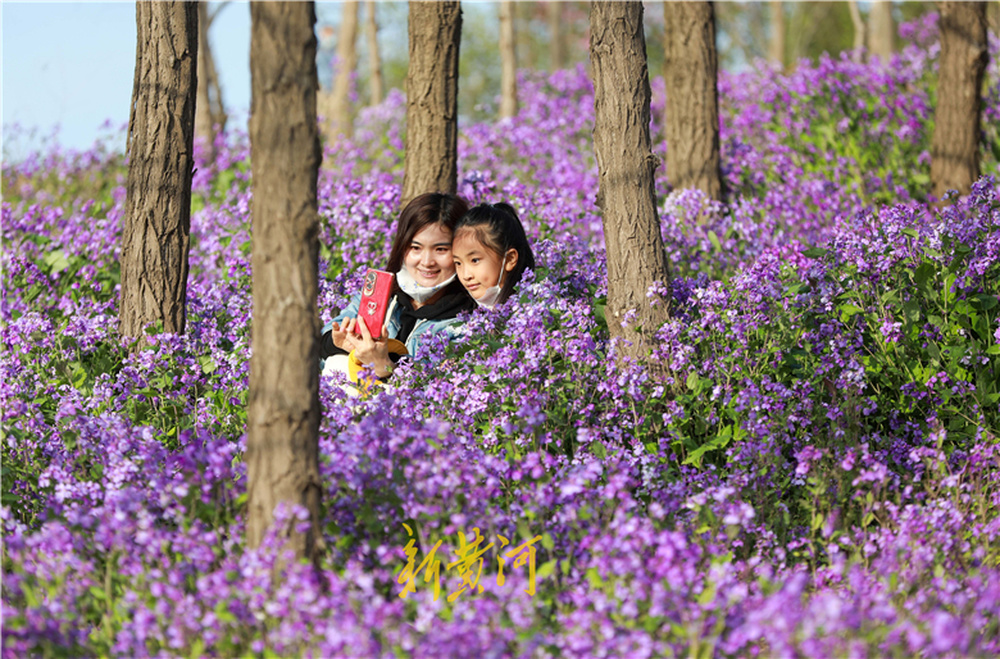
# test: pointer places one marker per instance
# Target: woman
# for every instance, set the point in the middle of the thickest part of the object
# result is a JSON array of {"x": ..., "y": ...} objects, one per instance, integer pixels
[{"x": 427, "y": 297}]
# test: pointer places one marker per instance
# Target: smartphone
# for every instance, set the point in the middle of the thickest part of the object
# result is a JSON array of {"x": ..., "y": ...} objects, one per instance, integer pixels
[{"x": 374, "y": 301}]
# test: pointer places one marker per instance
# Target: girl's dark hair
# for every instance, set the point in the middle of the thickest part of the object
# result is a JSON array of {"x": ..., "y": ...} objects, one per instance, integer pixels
[
  {"x": 499, "y": 229},
  {"x": 426, "y": 209}
]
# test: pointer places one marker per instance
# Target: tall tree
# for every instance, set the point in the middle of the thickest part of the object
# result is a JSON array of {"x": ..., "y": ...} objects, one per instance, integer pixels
[
  {"x": 508, "y": 61},
  {"x": 557, "y": 47},
  {"x": 776, "y": 43},
  {"x": 963, "y": 60},
  {"x": 625, "y": 163},
  {"x": 859, "y": 29},
  {"x": 210, "y": 113},
  {"x": 881, "y": 31},
  {"x": 692, "y": 121},
  {"x": 374, "y": 59},
  {"x": 282, "y": 453},
  {"x": 347, "y": 62},
  {"x": 431, "y": 163},
  {"x": 154, "y": 256}
]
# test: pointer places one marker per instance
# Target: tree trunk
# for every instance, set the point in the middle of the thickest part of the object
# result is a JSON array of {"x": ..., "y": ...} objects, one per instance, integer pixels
[
  {"x": 508, "y": 61},
  {"x": 374, "y": 60},
  {"x": 557, "y": 49},
  {"x": 347, "y": 62},
  {"x": 282, "y": 453},
  {"x": 625, "y": 163},
  {"x": 692, "y": 121},
  {"x": 210, "y": 114},
  {"x": 157, "y": 224},
  {"x": 859, "y": 30},
  {"x": 955, "y": 146},
  {"x": 776, "y": 45},
  {"x": 881, "y": 30},
  {"x": 431, "y": 163}
]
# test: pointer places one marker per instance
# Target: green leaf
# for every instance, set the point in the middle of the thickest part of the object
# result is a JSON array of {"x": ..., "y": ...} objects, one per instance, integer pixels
[
  {"x": 912, "y": 233},
  {"x": 983, "y": 302},
  {"x": 56, "y": 261},
  {"x": 923, "y": 274},
  {"x": 848, "y": 311},
  {"x": 546, "y": 570},
  {"x": 815, "y": 252},
  {"x": 715, "y": 241}
]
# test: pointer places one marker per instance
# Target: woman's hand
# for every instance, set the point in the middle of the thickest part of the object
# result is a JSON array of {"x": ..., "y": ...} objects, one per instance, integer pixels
[
  {"x": 366, "y": 349},
  {"x": 338, "y": 332}
]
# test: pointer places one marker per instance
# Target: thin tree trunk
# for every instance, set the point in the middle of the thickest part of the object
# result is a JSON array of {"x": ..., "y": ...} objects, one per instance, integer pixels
[
  {"x": 431, "y": 165},
  {"x": 882, "y": 30},
  {"x": 347, "y": 62},
  {"x": 557, "y": 48},
  {"x": 508, "y": 61},
  {"x": 692, "y": 121},
  {"x": 155, "y": 239},
  {"x": 282, "y": 453},
  {"x": 859, "y": 30},
  {"x": 374, "y": 59},
  {"x": 625, "y": 163},
  {"x": 776, "y": 44},
  {"x": 210, "y": 113},
  {"x": 955, "y": 146}
]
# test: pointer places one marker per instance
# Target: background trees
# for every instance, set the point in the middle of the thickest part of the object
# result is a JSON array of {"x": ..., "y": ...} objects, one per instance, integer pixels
[
  {"x": 210, "y": 112},
  {"x": 508, "y": 61},
  {"x": 338, "y": 107},
  {"x": 955, "y": 149},
  {"x": 692, "y": 114},
  {"x": 626, "y": 163},
  {"x": 154, "y": 256},
  {"x": 283, "y": 416},
  {"x": 431, "y": 165}
]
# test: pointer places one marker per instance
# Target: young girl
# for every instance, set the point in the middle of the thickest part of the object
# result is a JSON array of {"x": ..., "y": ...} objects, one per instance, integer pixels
[
  {"x": 426, "y": 299},
  {"x": 491, "y": 252}
]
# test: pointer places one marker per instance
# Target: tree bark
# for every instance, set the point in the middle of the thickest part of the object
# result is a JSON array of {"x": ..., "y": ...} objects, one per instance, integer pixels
[
  {"x": 859, "y": 29},
  {"x": 955, "y": 146},
  {"x": 776, "y": 44},
  {"x": 347, "y": 62},
  {"x": 210, "y": 113},
  {"x": 431, "y": 163},
  {"x": 692, "y": 121},
  {"x": 557, "y": 49},
  {"x": 508, "y": 61},
  {"x": 374, "y": 59},
  {"x": 157, "y": 224},
  {"x": 282, "y": 453},
  {"x": 881, "y": 30},
  {"x": 625, "y": 163}
]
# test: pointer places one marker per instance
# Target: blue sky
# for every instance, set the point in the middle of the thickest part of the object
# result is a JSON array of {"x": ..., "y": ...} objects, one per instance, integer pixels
[{"x": 70, "y": 64}]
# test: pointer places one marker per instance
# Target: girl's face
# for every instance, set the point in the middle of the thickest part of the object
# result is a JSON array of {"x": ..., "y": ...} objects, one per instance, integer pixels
[
  {"x": 428, "y": 258},
  {"x": 478, "y": 266}
]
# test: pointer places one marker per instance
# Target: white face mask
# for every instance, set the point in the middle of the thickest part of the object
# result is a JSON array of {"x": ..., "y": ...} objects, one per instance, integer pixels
[
  {"x": 489, "y": 298},
  {"x": 419, "y": 293}
]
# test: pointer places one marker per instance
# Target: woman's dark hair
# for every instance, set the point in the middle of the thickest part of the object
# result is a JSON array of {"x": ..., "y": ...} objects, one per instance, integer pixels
[
  {"x": 422, "y": 211},
  {"x": 499, "y": 229}
]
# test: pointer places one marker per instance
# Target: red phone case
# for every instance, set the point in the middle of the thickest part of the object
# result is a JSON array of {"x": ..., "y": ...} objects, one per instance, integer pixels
[{"x": 374, "y": 301}]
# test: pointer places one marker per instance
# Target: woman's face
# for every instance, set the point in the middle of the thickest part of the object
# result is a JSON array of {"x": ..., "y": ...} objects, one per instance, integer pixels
[{"x": 428, "y": 257}]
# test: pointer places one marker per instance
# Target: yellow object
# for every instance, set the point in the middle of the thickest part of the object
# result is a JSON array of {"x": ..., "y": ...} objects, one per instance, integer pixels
[{"x": 354, "y": 365}]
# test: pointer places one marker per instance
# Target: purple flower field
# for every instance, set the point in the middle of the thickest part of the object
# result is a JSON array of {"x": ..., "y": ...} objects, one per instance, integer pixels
[{"x": 819, "y": 474}]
